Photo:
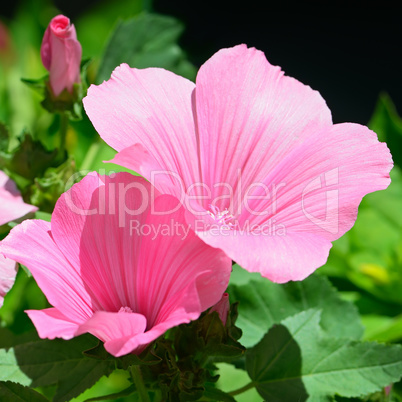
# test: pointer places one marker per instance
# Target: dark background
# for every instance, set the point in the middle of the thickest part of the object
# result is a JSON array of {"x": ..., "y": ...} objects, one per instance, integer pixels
[{"x": 349, "y": 51}]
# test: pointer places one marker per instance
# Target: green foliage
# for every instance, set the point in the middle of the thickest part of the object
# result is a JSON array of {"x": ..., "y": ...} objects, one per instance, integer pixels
[
  {"x": 297, "y": 360},
  {"x": 263, "y": 304},
  {"x": 49, "y": 362},
  {"x": 370, "y": 255},
  {"x": 388, "y": 125},
  {"x": 146, "y": 40},
  {"x": 10, "y": 391}
]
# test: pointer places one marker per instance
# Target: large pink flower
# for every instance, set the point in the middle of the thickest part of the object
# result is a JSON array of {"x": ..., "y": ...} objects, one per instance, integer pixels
[
  {"x": 61, "y": 54},
  {"x": 12, "y": 207},
  {"x": 248, "y": 148},
  {"x": 116, "y": 261}
]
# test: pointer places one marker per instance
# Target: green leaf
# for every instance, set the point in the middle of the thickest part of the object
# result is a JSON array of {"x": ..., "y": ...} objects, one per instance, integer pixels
[
  {"x": 297, "y": 360},
  {"x": 11, "y": 391},
  {"x": 382, "y": 328},
  {"x": 31, "y": 159},
  {"x": 126, "y": 392},
  {"x": 48, "y": 362},
  {"x": 147, "y": 40},
  {"x": 215, "y": 394},
  {"x": 10, "y": 369},
  {"x": 263, "y": 303},
  {"x": 388, "y": 125}
]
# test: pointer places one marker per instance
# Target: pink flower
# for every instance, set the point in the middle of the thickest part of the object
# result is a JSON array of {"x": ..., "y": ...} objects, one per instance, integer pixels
[
  {"x": 118, "y": 264},
  {"x": 61, "y": 54},
  {"x": 252, "y": 153},
  {"x": 12, "y": 207}
]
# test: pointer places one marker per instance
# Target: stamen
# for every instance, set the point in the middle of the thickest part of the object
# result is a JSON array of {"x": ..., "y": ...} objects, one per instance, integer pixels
[
  {"x": 223, "y": 217},
  {"x": 125, "y": 310}
]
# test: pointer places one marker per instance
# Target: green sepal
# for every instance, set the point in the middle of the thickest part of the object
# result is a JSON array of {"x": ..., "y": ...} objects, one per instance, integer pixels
[
  {"x": 30, "y": 158},
  {"x": 46, "y": 190}
]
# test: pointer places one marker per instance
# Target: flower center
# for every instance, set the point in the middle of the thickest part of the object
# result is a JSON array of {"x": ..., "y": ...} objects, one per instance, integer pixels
[
  {"x": 223, "y": 217},
  {"x": 125, "y": 310}
]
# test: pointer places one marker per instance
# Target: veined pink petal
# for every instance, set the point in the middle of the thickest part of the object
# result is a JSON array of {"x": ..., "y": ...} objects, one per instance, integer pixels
[
  {"x": 321, "y": 183},
  {"x": 117, "y": 330},
  {"x": 92, "y": 224},
  {"x": 280, "y": 257},
  {"x": 12, "y": 204},
  {"x": 7, "y": 276},
  {"x": 70, "y": 213},
  {"x": 172, "y": 273},
  {"x": 151, "y": 107},
  {"x": 51, "y": 324},
  {"x": 249, "y": 117},
  {"x": 138, "y": 159},
  {"x": 32, "y": 245}
]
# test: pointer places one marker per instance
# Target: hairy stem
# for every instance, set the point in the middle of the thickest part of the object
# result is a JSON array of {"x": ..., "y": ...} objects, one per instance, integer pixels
[
  {"x": 136, "y": 375},
  {"x": 63, "y": 133}
]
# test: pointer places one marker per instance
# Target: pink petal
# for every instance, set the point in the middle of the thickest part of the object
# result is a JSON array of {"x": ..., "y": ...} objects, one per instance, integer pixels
[
  {"x": 51, "y": 323},
  {"x": 324, "y": 180},
  {"x": 151, "y": 107},
  {"x": 249, "y": 117},
  {"x": 91, "y": 224},
  {"x": 278, "y": 257},
  {"x": 118, "y": 330},
  {"x": 8, "y": 272},
  {"x": 70, "y": 213},
  {"x": 32, "y": 245},
  {"x": 185, "y": 273},
  {"x": 12, "y": 204},
  {"x": 137, "y": 158}
]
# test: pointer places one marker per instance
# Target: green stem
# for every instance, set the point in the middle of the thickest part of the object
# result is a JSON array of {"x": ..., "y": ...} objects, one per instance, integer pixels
[
  {"x": 63, "y": 133},
  {"x": 242, "y": 389},
  {"x": 136, "y": 375}
]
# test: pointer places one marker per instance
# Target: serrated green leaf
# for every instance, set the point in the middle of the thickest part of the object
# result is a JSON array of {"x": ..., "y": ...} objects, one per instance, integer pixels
[
  {"x": 47, "y": 362},
  {"x": 297, "y": 360},
  {"x": 263, "y": 303},
  {"x": 11, "y": 391},
  {"x": 126, "y": 392},
  {"x": 10, "y": 369},
  {"x": 146, "y": 40}
]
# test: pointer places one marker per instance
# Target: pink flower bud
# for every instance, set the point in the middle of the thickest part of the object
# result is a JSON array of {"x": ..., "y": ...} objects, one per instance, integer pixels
[
  {"x": 61, "y": 54},
  {"x": 222, "y": 308}
]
